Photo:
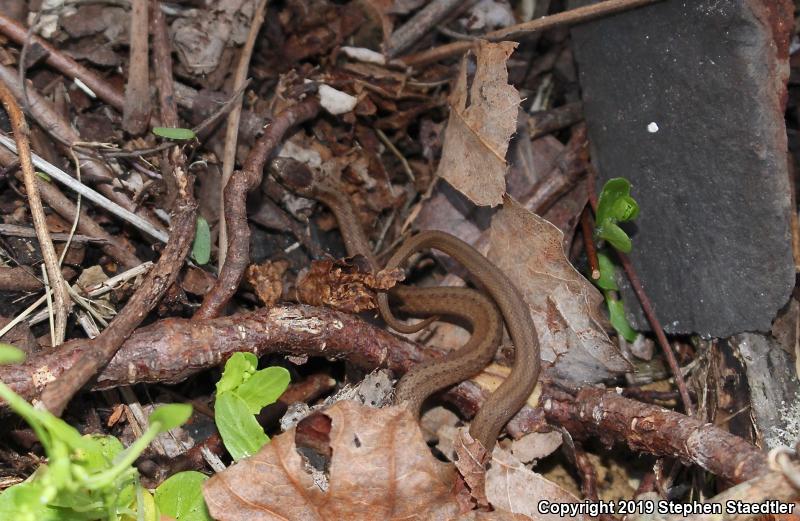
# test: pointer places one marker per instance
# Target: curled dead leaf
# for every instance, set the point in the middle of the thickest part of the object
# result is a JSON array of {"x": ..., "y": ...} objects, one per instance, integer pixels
[
  {"x": 267, "y": 280},
  {"x": 512, "y": 487},
  {"x": 566, "y": 308},
  {"x": 346, "y": 286},
  {"x": 380, "y": 468},
  {"x": 483, "y": 117}
]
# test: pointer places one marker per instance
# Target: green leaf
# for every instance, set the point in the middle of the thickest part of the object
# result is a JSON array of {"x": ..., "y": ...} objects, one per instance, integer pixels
[
  {"x": 625, "y": 209},
  {"x": 263, "y": 388},
  {"x": 11, "y": 354},
  {"x": 44, "y": 177},
  {"x": 201, "y": 248},
  {"x": 146, "y": 503},
  {"x": 181, "y": 497},
  {"x": 180, "y": 134},
  {"x": 615, "y": 205},
  {"x": 106, "y": 448},
  {"x": 612, "y": 191},
  {"x": 241, "y": 433},
  {"x": 616, "y": 314},
  {"x": 22, "y": 502},
  {"x": 607, "y": 272},
  {"x": 238, "y": 368},
  {"x": 615, "y": 236},
  {"x": 170, "y": 416}
]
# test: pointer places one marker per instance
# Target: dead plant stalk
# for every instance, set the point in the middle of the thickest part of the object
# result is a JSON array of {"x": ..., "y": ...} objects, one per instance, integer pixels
[{"x": 60, "y": 296}]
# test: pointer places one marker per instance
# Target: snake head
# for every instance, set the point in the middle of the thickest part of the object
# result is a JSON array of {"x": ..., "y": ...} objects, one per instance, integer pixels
[{"x": 294, "y": 175}]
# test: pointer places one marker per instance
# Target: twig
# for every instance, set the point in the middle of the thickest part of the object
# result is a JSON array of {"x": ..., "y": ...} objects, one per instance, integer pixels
[
  {"x": 18, "y": 279},
  {"x": 14, "y": 230},
  {"x": 514, "y": 32},
  {"x": 400, "y": 157},
  {"x": 647, "y": 307},
  {"x": 61, "y": 130},
  {"x": 548, "y": 121},
  {"x": 170, "y": 350},
  {"x": 72, "y": 183},
  {"x": 136, "y": 112},
  {"x": 588, "y": 243},
  {"x": 48, "y": 292},
  {"x": 102, "y": 349},
  {"x": 242, "y": 182},
  {"x": 232, "y": 128},
  {"x": 423, "y": 21},
  {"x": 20, "y": 128},
  {"x": 64, "y": 64},
  {"x": 95, "y": 291},
  {"x": 197, "y": 129}
]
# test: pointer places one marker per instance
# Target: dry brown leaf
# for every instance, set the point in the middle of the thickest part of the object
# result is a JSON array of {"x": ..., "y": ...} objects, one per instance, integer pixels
[
  {"x": 471, "y": 456},
  {"x": 510, "y": 486},
  {"x": 380, "y": 468},
  {"x": 565, "y": 307},
  {"x": 267, "y": 280},
  {"x": 344, "y": 285},
  {"x": 483, "y": 116}
]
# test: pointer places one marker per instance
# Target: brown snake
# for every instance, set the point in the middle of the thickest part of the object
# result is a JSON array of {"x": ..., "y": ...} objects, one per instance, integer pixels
[{"x": 468, "y": 304}]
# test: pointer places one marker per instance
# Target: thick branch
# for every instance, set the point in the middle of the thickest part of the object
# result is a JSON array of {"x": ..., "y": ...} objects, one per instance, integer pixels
[
  {"x": 599, "y": 413},
  {"x": 242, "y": 182}
]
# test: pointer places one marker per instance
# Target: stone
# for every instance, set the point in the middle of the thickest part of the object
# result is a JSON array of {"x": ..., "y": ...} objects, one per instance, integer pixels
[{"x": 686, "y": 100}]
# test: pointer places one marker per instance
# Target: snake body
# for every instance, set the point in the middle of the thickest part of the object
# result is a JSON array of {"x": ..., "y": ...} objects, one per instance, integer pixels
[{"x": 470, "y": 305}]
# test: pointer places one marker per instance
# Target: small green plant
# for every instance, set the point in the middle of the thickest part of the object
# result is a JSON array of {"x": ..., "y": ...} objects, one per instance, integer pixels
[
  {"x": 615, "y": 205},
  {"x": 86, "y": 478},
  {"x": 181, "y": 497},
  {"x": 616, "y": 312},
  {"x": 91, "y": 478},
  {"x": 241, "y": 393},
  {"x": 178, "y": 134},
  {"x": 201, "y": 248}
]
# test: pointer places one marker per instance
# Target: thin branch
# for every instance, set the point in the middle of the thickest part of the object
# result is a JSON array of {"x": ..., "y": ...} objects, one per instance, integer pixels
[
  {"x": 64, "y": 64},
  {"x": 604, "y": 414},
  {"x": 647, "y": 307},
  {"x": 232, "y": 128},
  {"x": 197, "y": 129},
  {"x": 57, "y": 125},
  {"x": 136, "y": 113},
  {"x": 72, "y": 183},
  {"x": 423, "y": 21},
  {"x": 588, "y": 243},
  {"x": 514, "y": 32},
  {"x": 20, "y": 128}
]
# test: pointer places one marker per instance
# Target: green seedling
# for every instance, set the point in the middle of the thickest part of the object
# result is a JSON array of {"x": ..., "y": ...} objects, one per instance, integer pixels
[
  {"x": 201, "y": 248},
  {"x": 177, "y": 134},
  {"x": 241, "y": 393},
  {"x": 181, "y": 497},
  {"x": 614, "y": 205},
  {"x": 86, "y": 478}
]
